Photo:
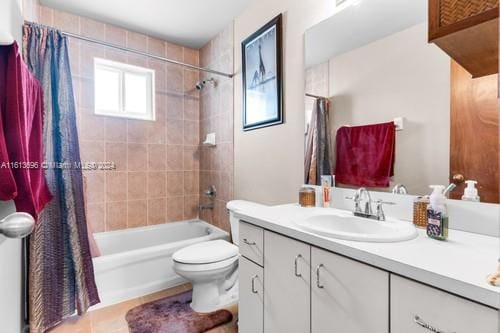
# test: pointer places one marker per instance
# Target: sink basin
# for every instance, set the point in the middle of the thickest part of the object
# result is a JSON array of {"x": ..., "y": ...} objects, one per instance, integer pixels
[{"x": 344, "y": 225}]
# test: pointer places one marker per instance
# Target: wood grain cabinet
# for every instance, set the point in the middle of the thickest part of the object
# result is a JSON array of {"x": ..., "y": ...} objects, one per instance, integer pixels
[
  {"x": 467, "y": 30},
  {"x": 416, "y": 308}
]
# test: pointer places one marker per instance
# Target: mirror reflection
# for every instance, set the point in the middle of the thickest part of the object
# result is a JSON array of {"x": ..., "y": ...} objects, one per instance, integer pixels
[{"x": 387, "y": 110}]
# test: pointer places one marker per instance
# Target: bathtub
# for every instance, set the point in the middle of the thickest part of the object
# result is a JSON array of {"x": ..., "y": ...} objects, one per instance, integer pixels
[{"x": 136, "y": 262}]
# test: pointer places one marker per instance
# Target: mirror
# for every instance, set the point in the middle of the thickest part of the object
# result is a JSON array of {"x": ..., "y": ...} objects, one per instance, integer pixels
[{"x": 370, "y": 64}]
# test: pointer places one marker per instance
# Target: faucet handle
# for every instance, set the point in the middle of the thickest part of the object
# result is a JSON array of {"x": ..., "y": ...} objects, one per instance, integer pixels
[{"x": 380, "y": 210}]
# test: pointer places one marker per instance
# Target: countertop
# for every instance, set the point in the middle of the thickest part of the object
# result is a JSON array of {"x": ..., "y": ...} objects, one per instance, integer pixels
[{"x": 458, "y": 265}]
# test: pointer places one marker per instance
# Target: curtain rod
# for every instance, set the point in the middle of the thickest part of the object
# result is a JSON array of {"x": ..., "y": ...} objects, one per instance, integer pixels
[
  {"x": 316, "y": 96},
  {"x": 122, "y": 48}
]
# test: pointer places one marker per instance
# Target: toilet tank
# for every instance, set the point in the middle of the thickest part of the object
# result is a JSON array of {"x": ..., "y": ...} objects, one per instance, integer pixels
[{"x": 239, "y": 205}]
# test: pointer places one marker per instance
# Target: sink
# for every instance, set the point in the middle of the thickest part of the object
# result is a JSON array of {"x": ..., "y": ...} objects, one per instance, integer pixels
[{"x": 344, "y": 225}]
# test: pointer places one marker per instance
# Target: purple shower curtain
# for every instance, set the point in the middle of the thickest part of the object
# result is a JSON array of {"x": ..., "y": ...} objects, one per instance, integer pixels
[
  {"x": 318, "y": 151},
  {"x": 60, "y": 270}
]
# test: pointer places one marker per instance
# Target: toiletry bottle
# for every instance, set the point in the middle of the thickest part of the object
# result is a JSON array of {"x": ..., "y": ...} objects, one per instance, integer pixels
[
  {"x": 470, "y": 192},
  {"x": 437, "y": 214},
  {"x": 326, "y": 184}
]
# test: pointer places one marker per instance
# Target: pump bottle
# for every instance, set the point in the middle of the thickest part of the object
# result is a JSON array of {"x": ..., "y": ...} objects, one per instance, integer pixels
[
  {"x": 470, "y": 192},
  {"x": 437, "y": 214}
]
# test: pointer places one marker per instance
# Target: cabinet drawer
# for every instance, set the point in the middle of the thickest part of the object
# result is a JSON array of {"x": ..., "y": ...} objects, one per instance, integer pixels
[
  {"x": 252, "y": 243},
  {"x": 414, "y": 305},
  {"x": 251, "y": 299}
]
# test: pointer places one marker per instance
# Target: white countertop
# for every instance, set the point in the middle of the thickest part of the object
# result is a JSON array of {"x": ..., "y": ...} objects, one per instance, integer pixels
[{"x": 459, "y": 265}]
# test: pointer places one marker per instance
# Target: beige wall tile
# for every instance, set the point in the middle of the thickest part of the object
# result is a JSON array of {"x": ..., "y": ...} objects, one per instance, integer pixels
[
  {"x": 191, "y": 132},
  {"x": 137, "y": 41},
  {"x": 175, "y": 79},
  {"x": 95, "y": 217},
  {"x": 157, "y": 157},
  {"x": 116, "y": 186},
  {"x": 115, "y": 129},
  {"x": 157, "y": 211},
  {"x": 117, "y": 154},
  {"x": 191, "y": 56},
  {"x": 175, "y": 158},
  {"x": 191, "y": 158},
  {"x": 175, "y": 183},
  {"x": 175, "y": 209},
  {"x": 66, "y": 22},
  {"x": 157, "y": 184},
  {"x": 137, "y": 131},
  {"x": 92, "y": 29},
  {"x": 175, "y": 52},
  {"x": 137, "y": 213},
  {"x": 191, "y": 182},
  {"x": 115, "y": 35},
  {"x": 116, "y": 215},
  {"x": 137, "y": 185},
  {"x": 175, "y": 107},
  {"x": 95, "y": 186},
  {"x": 137, "y": 156},
  {"x": 175, "y": 132},
  {"x": 156, "y": 47},
  {"x": 191, "y": 203}
]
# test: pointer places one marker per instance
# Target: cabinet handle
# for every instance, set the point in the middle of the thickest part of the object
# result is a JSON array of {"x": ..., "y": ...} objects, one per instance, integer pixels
[
  {"x": 417, "y": 320},
  {"x": 253, "y": 284},
  {"x": 318, "y": 284},
  {"x": 297, "y": 274},
  {"x": 248, "y": 243}
]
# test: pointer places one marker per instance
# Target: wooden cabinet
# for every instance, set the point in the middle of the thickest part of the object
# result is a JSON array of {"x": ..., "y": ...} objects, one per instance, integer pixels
[
  {"x": 347, "y": 296},
  {"x": 287, "y": 284},
  {"x": 251, "y": 297},
  {"x": 467, "y": 30},
  {"x": 414, "y": 305}
]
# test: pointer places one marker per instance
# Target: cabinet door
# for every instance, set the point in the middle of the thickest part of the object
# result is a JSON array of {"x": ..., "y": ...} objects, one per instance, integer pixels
[
  {"x": 414, "y": 305},
  {"x": 251, "y": 297},
  {"x": 347, "y": 296},
  {"x": 287, "y": 285}
]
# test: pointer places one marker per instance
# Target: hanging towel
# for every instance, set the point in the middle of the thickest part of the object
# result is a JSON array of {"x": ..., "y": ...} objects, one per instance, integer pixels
[
  {"x": 365, "y": 155},
  {"x": 21, "y": 151}
]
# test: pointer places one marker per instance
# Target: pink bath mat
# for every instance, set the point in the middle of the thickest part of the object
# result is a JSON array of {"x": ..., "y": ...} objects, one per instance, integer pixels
[{"x": 174, "y": 315}]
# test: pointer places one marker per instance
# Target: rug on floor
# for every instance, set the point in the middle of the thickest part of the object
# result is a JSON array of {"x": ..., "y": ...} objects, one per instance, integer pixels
[{"x": 174, "y": 315}]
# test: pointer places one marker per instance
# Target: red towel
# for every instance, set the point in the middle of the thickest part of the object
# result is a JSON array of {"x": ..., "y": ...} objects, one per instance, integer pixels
[
  {"x": 365, "y": 155},
  {"x": 21, "y": 153}
]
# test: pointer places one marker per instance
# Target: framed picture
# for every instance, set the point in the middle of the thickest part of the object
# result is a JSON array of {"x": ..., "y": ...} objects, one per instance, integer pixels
[{"x": 262, "y": 76}]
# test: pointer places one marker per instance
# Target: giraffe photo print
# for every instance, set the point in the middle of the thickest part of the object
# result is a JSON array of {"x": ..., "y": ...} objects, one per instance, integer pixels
[{"x": 262, "y": 79}]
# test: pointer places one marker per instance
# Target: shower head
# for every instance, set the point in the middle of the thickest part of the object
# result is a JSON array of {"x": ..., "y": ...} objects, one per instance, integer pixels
[{"x": 200, "y": 85}]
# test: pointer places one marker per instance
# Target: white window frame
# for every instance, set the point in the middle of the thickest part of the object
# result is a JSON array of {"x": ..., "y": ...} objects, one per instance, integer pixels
[{"x": 123, "y": 69}]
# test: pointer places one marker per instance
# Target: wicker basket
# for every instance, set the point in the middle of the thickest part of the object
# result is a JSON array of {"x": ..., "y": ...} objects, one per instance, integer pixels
[{"x": 453, "y": 11}]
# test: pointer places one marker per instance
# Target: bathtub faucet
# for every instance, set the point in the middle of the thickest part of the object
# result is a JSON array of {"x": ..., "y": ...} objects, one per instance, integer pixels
[{"x": 211, "y": 192}]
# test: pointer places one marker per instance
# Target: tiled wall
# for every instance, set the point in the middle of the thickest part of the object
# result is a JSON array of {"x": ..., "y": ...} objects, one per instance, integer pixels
[
  {"x": 157, "y": 174},
  {"x": 216, "y": 115}
]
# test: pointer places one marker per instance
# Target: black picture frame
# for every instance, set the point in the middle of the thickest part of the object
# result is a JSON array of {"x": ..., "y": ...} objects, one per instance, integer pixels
[{"x": 263, "y": 97}]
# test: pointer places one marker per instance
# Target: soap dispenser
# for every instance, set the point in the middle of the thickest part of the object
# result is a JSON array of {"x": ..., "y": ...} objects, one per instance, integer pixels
[
  {"x": 470, "y": 192},
  {"x": 437, "y": 214}
]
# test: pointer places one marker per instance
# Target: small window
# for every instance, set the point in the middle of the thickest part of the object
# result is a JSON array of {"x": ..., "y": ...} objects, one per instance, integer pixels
[{"x": 123, "y": 90}]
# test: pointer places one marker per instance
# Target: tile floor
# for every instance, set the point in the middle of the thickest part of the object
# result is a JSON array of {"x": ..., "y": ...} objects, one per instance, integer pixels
[{"x": 112, "y": 319}]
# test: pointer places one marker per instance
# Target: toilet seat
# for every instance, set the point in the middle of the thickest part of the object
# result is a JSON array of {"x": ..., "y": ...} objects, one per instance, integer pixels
[
  {"x": 205, "y": 253},
  {"x": 200, "y": 268}
]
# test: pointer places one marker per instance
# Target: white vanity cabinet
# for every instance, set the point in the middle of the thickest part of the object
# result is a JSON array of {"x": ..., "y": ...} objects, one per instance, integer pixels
[
  {"x": 251, "y": 297},
  {"x": 415, "y": 306},
  {"x": 347, "y": 296},
  {"x": 287, "y": 284}
]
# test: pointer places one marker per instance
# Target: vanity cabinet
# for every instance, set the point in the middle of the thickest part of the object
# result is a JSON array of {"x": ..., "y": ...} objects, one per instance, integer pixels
[
  {"x": 287, "y": 284},
  {"x": 347, "y": 296},
  {"x": 414, "y": 305},
  {"x": 300, "y": 288},
  {"x": 467, "y": 30},
  {"x": 251, "y": 297},
  {"x": 251, "y": 243}
]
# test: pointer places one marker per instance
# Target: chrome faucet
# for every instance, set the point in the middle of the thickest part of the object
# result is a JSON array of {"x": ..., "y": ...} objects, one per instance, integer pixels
[
  {"x": 368, "y": 212},
  {"x": 399, "y": 189},
  {"x": 211, "y": 193}
]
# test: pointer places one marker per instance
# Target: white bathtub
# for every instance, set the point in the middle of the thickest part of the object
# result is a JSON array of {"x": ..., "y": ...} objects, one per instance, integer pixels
[{"x": 136, "y": 262}]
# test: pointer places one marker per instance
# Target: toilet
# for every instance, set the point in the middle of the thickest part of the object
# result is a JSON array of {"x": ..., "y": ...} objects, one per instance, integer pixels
[{"x": 212, "y": 266}]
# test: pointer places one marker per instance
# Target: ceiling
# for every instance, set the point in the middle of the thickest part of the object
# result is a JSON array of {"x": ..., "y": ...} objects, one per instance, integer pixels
[
  {"x": 190, "y": 23},
  {"x": 359, "y": 22}
]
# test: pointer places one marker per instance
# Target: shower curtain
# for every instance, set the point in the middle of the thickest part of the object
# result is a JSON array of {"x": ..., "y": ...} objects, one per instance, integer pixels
[
  {"x": 318, "y": 151},
  {"x": 60, "y": 271}
]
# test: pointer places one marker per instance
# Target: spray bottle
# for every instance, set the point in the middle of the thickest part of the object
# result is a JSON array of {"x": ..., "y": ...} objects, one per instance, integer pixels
[{"x": 437, "y": 214}]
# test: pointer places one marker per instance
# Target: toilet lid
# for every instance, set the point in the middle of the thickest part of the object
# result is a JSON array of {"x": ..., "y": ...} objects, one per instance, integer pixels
[{"x": 206, "y": 252}]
